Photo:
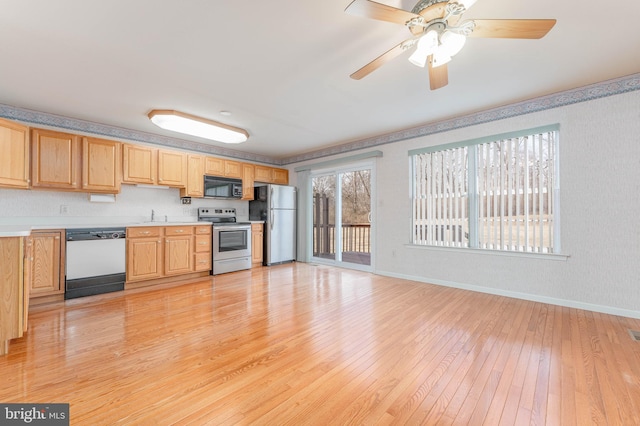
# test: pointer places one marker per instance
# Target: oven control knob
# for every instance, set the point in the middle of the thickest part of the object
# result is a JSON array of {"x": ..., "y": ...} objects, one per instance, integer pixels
[{"x": 115, "y": 235}]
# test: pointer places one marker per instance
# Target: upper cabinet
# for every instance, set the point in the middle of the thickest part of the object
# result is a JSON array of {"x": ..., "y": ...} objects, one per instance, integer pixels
[
  {"x": 14, "y": 155},
  {"x": 101, "y": 165},
  {"x": 219, "y": 167},
  {"x": 195, "y": 181},
  {"x": 248, "y": 179},
  {"x": 271, "y": 175},
  {"x": 55, "y": 160},
  {"x": 142, "y": 164},
  {"x": 139, "y": 164},
  {"x": 172, "y": 168},
  {"x": 214, "y": 166}
]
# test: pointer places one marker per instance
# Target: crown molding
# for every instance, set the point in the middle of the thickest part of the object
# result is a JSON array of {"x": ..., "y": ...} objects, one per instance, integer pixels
[{"x": 582, "y": 94}]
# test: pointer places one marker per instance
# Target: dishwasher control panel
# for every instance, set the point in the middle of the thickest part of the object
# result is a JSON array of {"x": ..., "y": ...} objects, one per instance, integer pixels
[{"x": 83, "y": 234}]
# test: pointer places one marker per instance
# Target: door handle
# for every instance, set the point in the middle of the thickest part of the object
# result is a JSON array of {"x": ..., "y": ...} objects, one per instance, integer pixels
[{"x": 272, "y": 219}]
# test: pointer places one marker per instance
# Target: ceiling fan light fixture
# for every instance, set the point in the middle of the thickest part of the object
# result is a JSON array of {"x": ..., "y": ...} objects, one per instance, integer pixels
[
  {"x": 451, "y": 43},
  {"x": 439, "y": 58},
  {"x": 188, "y": 124},
  {"x": 427, "y": 45}
]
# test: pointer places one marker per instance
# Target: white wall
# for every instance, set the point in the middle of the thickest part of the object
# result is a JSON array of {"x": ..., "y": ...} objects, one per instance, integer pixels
[
  {"x": 133, "y": 204},
  {"x": 600, "y": 201}
]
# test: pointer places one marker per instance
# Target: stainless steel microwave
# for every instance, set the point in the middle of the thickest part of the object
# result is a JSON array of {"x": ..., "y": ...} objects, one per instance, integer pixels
[{"x": 219, "y": 187}]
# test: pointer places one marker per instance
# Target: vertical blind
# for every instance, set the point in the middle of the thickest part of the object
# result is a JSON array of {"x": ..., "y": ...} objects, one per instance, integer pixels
[{"x": 496, "y": 193}]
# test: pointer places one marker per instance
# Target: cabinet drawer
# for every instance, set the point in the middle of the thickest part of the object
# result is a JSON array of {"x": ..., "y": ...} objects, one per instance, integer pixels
[
  {"x": 203, "y": 230},
  {"x": 256, "y": 227},
  {"x": 145, "y": 231},
  {"x": 178, "y": 230},
  {"x": 203, "y": 262},
  {"x": 203, "y": 243}
]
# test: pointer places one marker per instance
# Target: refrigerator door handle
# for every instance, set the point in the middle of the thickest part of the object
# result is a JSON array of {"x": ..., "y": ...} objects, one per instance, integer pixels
[
  {"x": 272, "y": 219},
  {"x": 271, "y": 198}
]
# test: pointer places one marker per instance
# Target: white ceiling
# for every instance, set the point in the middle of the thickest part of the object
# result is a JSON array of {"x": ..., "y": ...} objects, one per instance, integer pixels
[{"x": 282, "y": 67}]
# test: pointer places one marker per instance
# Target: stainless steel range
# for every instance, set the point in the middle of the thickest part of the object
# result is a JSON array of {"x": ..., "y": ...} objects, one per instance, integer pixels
[{"x": 231, "y": 248}]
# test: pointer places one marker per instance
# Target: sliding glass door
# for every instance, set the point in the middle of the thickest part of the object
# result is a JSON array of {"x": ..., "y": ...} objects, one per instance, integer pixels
[{"x": 342, "y": 217}]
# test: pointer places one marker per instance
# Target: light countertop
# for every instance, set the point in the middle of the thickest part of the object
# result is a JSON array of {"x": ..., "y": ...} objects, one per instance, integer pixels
[{"x": 25, "y": 230}]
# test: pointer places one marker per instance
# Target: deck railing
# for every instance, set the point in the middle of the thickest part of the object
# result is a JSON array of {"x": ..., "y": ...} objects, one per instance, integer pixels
[{"x": 356, "y": 237}]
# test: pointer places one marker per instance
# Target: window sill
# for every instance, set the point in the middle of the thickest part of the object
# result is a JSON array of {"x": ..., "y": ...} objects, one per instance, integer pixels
[{"x": 545, "y": 256}]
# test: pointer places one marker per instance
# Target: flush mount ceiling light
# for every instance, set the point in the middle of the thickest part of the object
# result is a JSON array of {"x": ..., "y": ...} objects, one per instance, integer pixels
[{"x": 181, "y": 122}]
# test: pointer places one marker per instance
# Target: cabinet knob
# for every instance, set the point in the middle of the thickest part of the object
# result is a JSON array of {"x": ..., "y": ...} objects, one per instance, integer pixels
[
  {"x": 145, "y": 232},
  {"x": 179, "y": 230}
]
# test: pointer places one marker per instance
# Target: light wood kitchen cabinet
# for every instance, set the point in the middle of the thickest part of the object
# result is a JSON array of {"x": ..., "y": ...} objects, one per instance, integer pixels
[
  {"x": 195, "y": 179},
  {"x": 14, "y": 155},
  {"x": 202, "y": 248},
  {"x": 214, "y": 166},
  {"x": 139, "y": 164},
  {"x": 220, "y": 167},
  {"x": 178, "y": 250},
  {"x": 271, "y": 175},
  {"x": 55, "y": 160},
  {"x": 166, "y": 251},
  {"x": 47, "y": 263},
  {"x": 172, "y": 168},
  {"x": 257, "y": 240},
  {"x": 248, "y": 171},
  {"x": 280, "y": 176},
  {"x": 145, "y": 253},
  {"x": 233, "y": 169},
  {"x": 153, "y": 166},
  {"x": 101, "y": 165},
  {"x": 13, "y": 309}
]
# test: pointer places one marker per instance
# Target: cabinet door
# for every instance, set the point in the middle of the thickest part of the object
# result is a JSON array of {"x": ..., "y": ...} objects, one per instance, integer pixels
[
  {"x": 139, "y": 164},
  {"x": 247, "y": 181},
  {"x": 55, "y": 160},
  {"x": 257, "y": 239},
  {"x": 101, "y": 165},
  {"x": 47, "y": 271},
  {"x": 178, "y": 255},
  {"x": 232, "y": 169},
  {"x": 144, "y": 258},
  {"x": 195, "y": 177},
  {"x": 214, "y": 166},
  {"x": 263, "y": 174},
  {"x": 281, "y": 176},
  {"x": 172, "y": 168},
  {"x": 11, "y": 290},
  {"x": 14, "y": 155}
]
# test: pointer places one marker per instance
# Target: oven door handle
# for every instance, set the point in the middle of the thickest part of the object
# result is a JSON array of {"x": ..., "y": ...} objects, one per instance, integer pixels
[{"x": 233, "y": 228}]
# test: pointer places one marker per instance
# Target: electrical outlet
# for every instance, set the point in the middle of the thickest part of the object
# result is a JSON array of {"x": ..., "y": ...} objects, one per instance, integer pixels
[
  {"x": 64, "y": 209},
  {"x": 186, "y": 211}
]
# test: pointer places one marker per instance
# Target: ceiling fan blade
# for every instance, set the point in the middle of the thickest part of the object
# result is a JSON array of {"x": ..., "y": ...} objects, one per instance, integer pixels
[
  {"x": 438, "y": 76},
  {"x": 435, "y": 11},
  {"x": 379, "y": 11},
  {"x": 512, "y": 28},
  {"x": 380, "y": 61}
]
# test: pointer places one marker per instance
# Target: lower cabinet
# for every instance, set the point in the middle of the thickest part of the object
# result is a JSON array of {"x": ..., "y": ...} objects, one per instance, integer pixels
[
  {"x": 145, "y": 253},
  {"x": 257, "y": 238},
  {"x": 202, "y": 248},
  {"x": 165, "y": 251},
  {"x": 46, "y": 275},
  {"x": 13, "y": 291}
]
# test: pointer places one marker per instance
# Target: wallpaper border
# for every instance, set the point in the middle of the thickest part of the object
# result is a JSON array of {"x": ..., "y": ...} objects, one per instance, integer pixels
[{"x": 581, "y": 94}]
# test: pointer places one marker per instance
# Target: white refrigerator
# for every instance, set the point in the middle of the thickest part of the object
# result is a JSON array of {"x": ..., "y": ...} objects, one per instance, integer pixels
[{"x": 276, "y": 206}]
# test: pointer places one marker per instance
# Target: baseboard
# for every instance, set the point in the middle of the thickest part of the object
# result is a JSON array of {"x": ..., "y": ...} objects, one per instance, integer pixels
[{"x": 517, "y": 295}]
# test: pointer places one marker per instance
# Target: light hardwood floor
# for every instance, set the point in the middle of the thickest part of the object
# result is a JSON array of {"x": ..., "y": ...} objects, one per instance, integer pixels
[{"x": 301, "y": 344}]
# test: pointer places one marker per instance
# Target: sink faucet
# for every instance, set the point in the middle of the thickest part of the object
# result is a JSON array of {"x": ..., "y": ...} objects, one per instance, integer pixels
[{"x": 153, "y": 215}]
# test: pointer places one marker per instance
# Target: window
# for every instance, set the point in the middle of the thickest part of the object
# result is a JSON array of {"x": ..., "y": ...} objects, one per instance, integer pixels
[{"x": 495, "y": 193}]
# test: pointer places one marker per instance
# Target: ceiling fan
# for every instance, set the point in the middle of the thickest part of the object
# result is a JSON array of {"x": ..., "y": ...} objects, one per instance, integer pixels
[{"x": 439, "y": 33}]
